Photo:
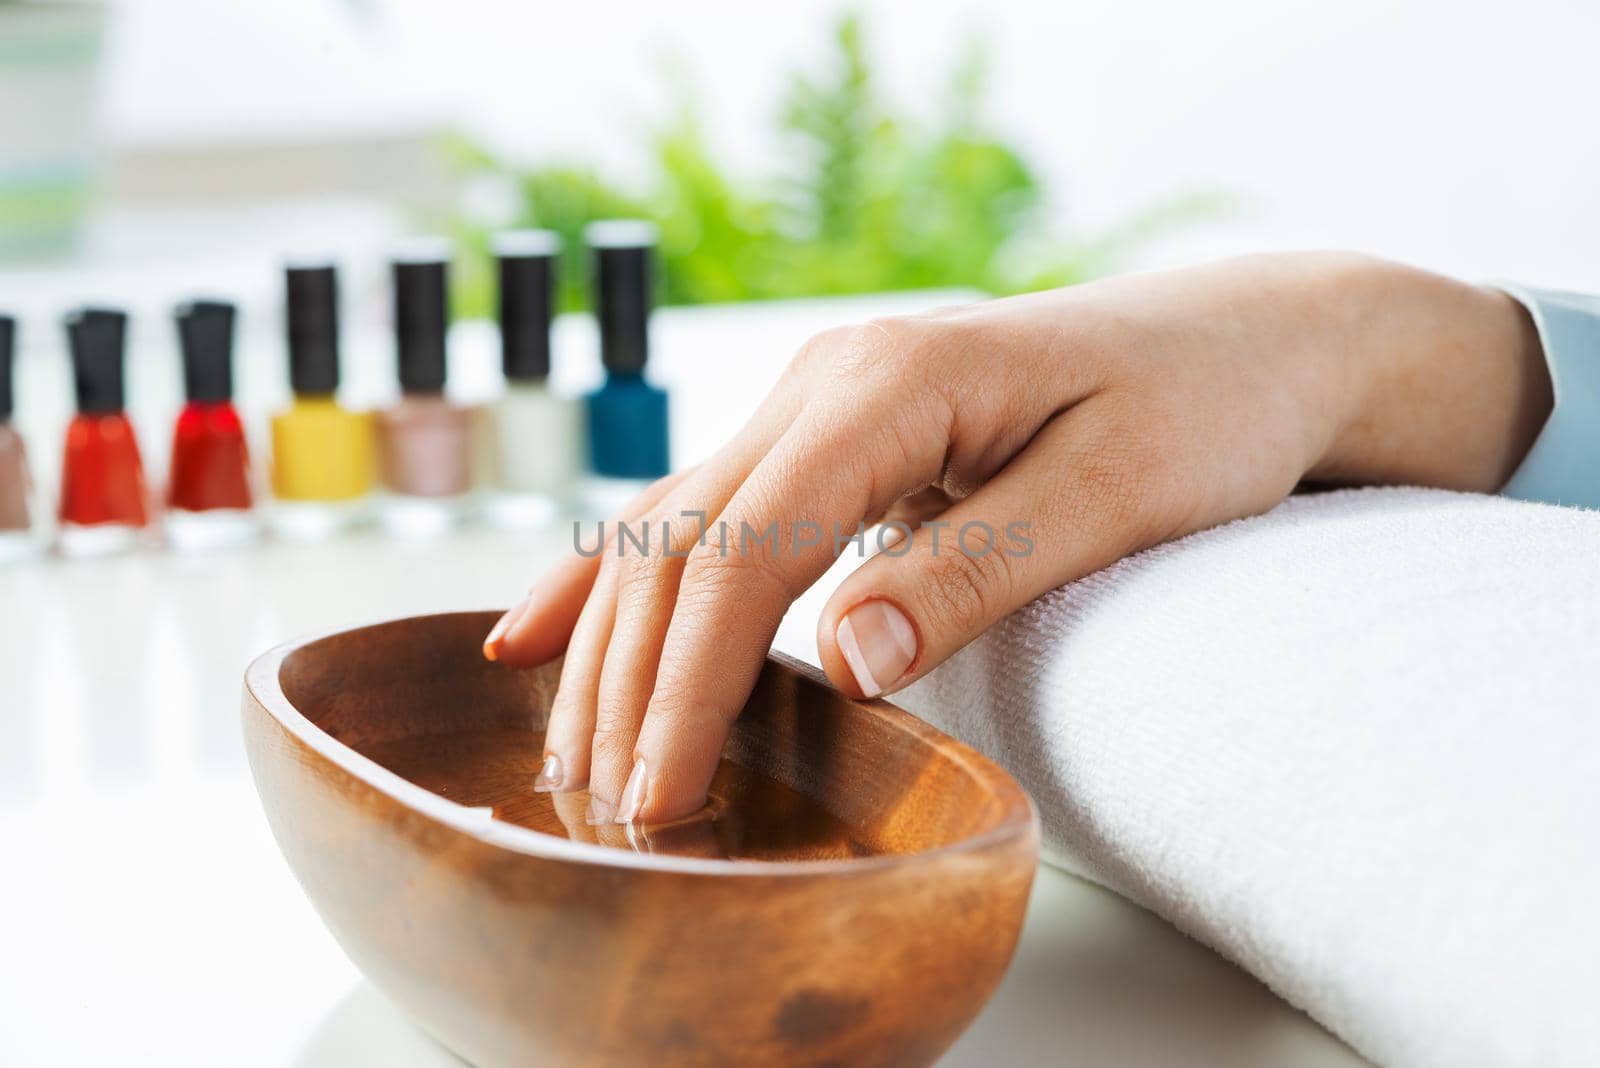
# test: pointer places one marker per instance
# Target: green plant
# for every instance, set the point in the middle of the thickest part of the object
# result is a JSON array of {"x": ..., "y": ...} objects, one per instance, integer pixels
[{"x": 869, "y": 201}]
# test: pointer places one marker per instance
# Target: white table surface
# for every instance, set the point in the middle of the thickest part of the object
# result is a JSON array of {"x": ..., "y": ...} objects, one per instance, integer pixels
[{"x": 146, "y": 916}]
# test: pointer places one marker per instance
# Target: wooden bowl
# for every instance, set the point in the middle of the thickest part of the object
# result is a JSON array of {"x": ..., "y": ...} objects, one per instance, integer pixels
[{"x": 514, "y": 947}]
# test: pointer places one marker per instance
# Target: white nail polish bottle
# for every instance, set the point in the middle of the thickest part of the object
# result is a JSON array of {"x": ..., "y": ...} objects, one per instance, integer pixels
[{"x": 535, "y": 434}]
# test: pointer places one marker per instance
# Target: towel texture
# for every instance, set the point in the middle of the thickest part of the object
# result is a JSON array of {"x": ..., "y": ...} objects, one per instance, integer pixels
[{"x": 1353, "y": 744}]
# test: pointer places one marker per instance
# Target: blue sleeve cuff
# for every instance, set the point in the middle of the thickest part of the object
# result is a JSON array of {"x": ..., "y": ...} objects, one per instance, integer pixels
[{"x": 1563, "y": 467}]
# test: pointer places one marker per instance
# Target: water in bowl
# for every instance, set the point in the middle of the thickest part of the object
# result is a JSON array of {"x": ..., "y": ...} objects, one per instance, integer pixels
[{"x": 748, "y": 817}]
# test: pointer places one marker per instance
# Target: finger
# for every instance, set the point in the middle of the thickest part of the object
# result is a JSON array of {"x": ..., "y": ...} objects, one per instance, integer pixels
[
  {"x": 650, "y": 570},
  {"x": 1085, "y": 493},
  {"x": 839, "y": 463},
  {"x": 908, "y": 513},
  {"x": 536, "y": 630},
  {"x": 493, "y": 640},
  {"x": 647, "y": 587},
  {"x": 566, "y": 739}
]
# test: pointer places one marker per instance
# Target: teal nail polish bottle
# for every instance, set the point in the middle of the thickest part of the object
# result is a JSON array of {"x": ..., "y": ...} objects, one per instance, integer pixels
[{"x": 627, "y": 416}]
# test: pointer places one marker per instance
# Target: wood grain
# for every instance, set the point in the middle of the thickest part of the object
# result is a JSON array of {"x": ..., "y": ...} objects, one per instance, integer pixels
[{"x": 514, "y": 947}]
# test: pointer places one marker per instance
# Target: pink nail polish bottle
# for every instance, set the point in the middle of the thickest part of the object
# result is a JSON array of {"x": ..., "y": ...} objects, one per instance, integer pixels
[
  {"x": 17, "y": 536},
  {"x": 425, "y": 442}
]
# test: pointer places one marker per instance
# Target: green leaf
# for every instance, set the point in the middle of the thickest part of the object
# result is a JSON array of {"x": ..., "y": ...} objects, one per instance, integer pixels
[{"x": 862, "y": 199}]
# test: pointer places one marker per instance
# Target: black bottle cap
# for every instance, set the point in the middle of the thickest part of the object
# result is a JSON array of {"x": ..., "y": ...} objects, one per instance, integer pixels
[
  {"x": 421, "y": 314},
  {"x": 8, "y": 348},
  {"x": 205, "y": 332},
  {"x": 623, "y": 250},
  {"x": 312, "y": 323},
  {"x": 96, "y": 337},
  {"x": 527, "y": 261}
]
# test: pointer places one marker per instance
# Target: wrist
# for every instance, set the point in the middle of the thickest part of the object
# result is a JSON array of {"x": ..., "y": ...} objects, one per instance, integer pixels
[
  {"x": 1448, "y": 381},
  {"x": 1529, "y": 396}
]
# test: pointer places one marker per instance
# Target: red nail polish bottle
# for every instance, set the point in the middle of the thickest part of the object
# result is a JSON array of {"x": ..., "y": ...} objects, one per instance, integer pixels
[
  {"x": 103, "y": 500},
  {"x": 208, "y": 491}
]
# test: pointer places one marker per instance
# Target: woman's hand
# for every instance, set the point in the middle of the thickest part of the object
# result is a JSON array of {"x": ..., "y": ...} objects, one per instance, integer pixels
[{"x": 1077, "y": 426}]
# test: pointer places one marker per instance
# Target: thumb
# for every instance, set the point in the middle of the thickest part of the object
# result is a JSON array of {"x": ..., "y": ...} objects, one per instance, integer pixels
[{"x": 1061, "y": 509}]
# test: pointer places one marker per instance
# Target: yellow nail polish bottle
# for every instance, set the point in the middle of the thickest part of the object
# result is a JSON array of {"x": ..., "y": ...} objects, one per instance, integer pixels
[{"x": 324, "y": 456}]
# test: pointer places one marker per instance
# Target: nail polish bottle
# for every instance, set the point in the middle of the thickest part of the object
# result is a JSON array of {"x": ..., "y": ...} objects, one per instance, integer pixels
[
  {"x": 324, "y": 457},
  {"x": 17, "y": 536},
  {"x": 534, "y": 435},
  {"x": 104, "y": 505},
  {"x": 425, "y": 443},
  {"x": 208, "y": 488},
  {"x": 627, "y": 415}
]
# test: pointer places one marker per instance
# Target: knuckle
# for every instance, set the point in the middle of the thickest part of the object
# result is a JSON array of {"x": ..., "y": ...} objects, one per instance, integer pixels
[
  {"x": 634, "y": 564},
  {"x": 714, "y": 572},
  {"x": 996, "y": 569},
  {"x": 638, "y": 582},
  {"x": 670, "y": 713},
  {"x": 650, "y": 492},
  {"x": 614, "y": 732},
  {"x": 911, "y": 371},
  {"x": 742, "y": 564},
  {"x": 610, "y": 573},
  {"x": 656, "y": 487},
  {"x": 708, "y": 567},
  {"x": 877, "y": 349},
  {"x": 820, "y": 347},
  {"x": 645, "y": 568},
  {"x": 968, "y": 589},
  {"x": 683, "y": 529}
]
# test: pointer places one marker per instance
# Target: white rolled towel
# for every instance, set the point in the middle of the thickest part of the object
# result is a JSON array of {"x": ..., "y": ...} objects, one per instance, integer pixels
[{"x": 1354, "y": 745}]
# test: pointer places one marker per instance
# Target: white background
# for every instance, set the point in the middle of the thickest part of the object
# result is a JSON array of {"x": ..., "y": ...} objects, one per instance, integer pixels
[{"x": 1459, "y": 135}]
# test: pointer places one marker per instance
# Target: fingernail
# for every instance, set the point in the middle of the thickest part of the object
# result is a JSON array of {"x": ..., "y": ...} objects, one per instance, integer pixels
[
  {"x": 600, "y": 811},
  {"x": 497, "y": 633},
  {"x": 550, "y": 775},
  {"x": 632, "y": 794},
  {"x": 878, "y": 643}
]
